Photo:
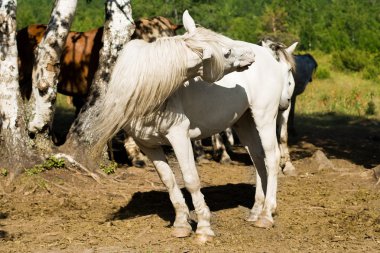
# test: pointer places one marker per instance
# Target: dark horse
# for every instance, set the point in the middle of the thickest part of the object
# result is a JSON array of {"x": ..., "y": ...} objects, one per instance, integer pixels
[{"x": 306, "y": 65}]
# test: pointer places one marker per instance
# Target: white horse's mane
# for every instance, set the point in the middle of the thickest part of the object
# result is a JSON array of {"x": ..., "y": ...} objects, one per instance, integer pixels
[
  {"x": 279, "y": 51},
  {"x": 146, "y": 74}
]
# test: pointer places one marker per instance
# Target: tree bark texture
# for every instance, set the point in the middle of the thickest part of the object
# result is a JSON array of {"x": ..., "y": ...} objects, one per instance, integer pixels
[
  {"x": 15, "y": 149},
  {"x": 46, "y": 71},
  {"x": 118, "y": 29}
]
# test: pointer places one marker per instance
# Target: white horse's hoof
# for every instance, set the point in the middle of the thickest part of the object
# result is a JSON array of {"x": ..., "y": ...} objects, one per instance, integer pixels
[
  {"x": 226, "y": 161},
  {"x": 205, "y": 231},
  {"x": 289, "y": 169},
  {"x": 252, "y": 217},
  {"x": 263, "y": 222},
  {"x": 203, "y": 239},
  {"x": 181, "y": 232}
]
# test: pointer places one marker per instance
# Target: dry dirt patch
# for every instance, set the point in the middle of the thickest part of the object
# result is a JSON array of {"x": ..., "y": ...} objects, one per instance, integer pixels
[{"x": 320, "y": 210}]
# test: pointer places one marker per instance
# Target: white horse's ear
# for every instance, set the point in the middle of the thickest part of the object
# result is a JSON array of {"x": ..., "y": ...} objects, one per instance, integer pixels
[
  {"x": 207, "y": 53},
  {"x": 291, "y": 49},
  {"x": 188, "y": 22}
]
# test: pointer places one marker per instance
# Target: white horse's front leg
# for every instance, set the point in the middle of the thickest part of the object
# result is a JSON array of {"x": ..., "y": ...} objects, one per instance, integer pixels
[
  {"x": 178, "y": 136},
  {"x": 266, "y": 128},
  {"x": 181, "y": 225},
  {"x": 260, "y": 140}
]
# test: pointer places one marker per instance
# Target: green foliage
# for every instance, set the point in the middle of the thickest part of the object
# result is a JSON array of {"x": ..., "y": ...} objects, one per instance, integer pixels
[
  {"x": 372, "y": 70},
  {"x": 343, "y": 93},
  {"x": 351, "y": 60},
  {"x": 322, "y": 73},
  {"x": 3, "y": 172},
  {"x": 48, "y": 164},
  {"x": 327, "y": 25},
  {"x": 87, "y": 16},
  {"x": 109, "y": 168}
]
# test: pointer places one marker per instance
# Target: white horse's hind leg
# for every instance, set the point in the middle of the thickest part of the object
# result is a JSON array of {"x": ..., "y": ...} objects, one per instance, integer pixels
[
  {"x": 134, "y": 153},
  {"x": 179, "y": 138},
  {"x": 199, "y": 152},
  {"x": 282, "y": 135},
  {"x": 230, "y": 136},
  {"x": 220, "y": 151},
  {"x": 260, "y": 139},
  {"x": 249, "y": 138},
  {"x": 181, "y": 225}
]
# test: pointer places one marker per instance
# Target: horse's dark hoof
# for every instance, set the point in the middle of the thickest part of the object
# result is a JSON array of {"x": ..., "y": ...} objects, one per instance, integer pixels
[{"x": 139, "y": 164}]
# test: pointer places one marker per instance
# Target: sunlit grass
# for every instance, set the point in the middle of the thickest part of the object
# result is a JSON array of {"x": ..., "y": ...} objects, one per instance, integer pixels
[{"x": 340, "y": 93}]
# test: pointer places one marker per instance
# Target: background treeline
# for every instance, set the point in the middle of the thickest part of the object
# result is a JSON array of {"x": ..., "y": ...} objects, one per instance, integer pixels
[{"x": 349, "y": 29}]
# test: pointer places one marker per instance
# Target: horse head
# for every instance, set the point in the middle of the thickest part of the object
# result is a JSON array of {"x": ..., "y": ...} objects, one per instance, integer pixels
[
  {"x": 215, "y": 55},
  {"x": 284, "y": 55}
]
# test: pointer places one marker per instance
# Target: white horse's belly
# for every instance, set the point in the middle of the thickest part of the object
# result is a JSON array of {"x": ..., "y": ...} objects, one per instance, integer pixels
[{"x": 212, "y": 108}]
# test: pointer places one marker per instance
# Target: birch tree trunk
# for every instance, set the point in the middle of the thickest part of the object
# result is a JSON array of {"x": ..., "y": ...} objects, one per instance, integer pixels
[
  {"x": 46, "y": 71},
  {"x": 15, "y": 151},
  {"x": 118, "y": 29}
]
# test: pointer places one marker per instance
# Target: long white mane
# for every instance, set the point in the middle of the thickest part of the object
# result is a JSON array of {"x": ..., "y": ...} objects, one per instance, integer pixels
[{"x": 146, "y": 74}]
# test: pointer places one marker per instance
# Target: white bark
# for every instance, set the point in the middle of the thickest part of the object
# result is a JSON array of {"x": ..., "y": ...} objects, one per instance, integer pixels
[
  {"x": 13, "y": 137},
  {"x": 46, "y": 69},
  {"x": 118, "y": 29},
  {"x": 8, "y": 65}
]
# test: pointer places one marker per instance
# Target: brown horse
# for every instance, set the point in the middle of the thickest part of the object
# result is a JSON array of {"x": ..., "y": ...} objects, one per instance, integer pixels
[
  {"x": 80, "y": 58},
  {"x": 79, "y": 62}
]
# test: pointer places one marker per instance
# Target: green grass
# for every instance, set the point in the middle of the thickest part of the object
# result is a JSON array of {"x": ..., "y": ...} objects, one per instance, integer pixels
[
  {"x": 339, "y": 92},
  {"x": 48, "y": 164}
]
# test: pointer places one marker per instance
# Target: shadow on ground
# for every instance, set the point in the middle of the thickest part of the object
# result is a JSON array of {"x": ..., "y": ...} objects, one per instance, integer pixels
[
  {"x": 356, "y": 139},
  {"x": 340, "y": 136},
  {"x": 158, "y": 202},
  {"x": 3, "y": 234}
]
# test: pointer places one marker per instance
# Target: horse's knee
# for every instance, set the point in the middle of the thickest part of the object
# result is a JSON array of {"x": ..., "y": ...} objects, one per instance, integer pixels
[{"x": 192, "y": 183}]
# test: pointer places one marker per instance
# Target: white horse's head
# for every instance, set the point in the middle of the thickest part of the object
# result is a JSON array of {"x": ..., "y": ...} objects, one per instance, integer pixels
[
  {"x": 213, "y": 55},
  {"x": 284, "y": 55}
]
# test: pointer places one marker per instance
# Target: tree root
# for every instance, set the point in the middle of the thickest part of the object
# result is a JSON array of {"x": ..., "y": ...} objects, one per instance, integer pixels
[{"x": 74, "y": 163}]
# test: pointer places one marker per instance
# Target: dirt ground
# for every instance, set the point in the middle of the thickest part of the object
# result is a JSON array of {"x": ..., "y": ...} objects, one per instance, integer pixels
[{"x": 331, "y": 206}]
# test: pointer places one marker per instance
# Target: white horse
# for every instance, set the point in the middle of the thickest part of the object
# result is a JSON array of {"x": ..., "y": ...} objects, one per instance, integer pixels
[
  {"x": 285, "y": 112},
  {"x": 248, "y": 101},
  {"x": 146, "y": 74}
]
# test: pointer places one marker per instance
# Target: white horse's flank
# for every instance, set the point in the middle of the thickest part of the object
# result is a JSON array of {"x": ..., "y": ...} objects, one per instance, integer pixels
[
  {"x": 146, "y": 74},
  {"x": 249, "y": 102}
]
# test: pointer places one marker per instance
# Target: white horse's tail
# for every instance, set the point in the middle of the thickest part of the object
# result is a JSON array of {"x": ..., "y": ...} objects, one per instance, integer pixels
[{"x": 139, "y": 84}]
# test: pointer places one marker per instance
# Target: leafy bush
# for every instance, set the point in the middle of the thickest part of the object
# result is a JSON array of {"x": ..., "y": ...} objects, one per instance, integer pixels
[
  {"x": 351, "y": 60},
  {"x": 322, "y": 73},
  {"x": 372, "y": 70}
]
